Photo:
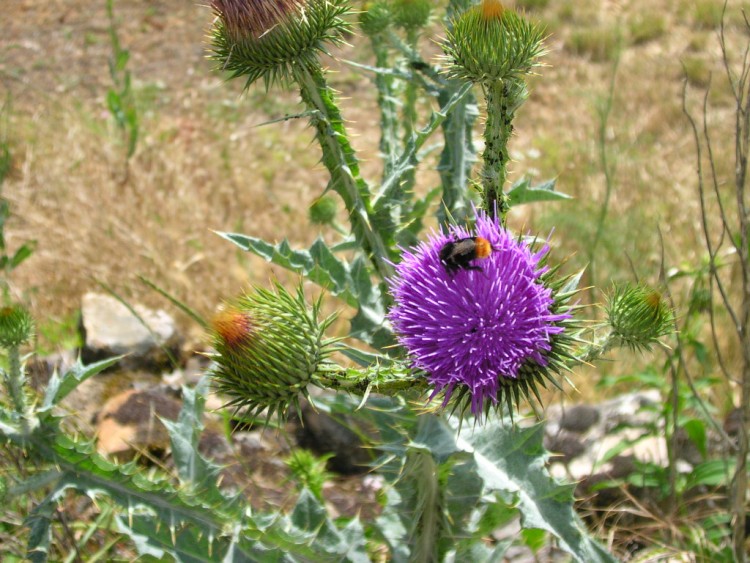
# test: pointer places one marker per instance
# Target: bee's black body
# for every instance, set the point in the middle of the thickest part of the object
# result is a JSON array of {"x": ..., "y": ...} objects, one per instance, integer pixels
[{"x": 458, "y": 254}]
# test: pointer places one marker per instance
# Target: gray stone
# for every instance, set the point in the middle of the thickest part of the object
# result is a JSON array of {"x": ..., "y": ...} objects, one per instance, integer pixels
[
  {"x": 111, "y": 329},
  {"x": 579, "y": 418}
]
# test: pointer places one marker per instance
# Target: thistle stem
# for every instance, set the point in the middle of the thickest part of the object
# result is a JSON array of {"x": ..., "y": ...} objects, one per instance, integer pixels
[
  {"x": 503, "y": 99},
  {"x": 384, "y": 380},
  {"x": 388, "y": 111},
  {"x": 15, "y": 381},
  {"x": 597, "y": 349},
  {"x": 340, "y": 160}
]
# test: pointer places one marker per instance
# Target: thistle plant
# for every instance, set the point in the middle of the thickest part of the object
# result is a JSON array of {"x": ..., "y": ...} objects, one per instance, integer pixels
[
  {"x": 480, "y": 334},
  {"x": 481, "y": 330},
  {"x": 16, "y": 329},
  {"x": 483, "y": 338}
]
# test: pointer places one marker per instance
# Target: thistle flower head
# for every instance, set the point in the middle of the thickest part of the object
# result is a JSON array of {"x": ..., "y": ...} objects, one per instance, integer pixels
[
  {"x": 489, "y": 43},
  {"x": 491, "y": 328},
  {"x": 638, "y": 316},
  {"x": 16, "y": 326},
  {"x": 268, "y": 39},
  {"x": 270, "y": 345}
]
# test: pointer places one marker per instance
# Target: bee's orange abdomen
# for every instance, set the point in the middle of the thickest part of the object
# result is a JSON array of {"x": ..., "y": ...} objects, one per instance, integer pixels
[{"x": 484, "y": 248}]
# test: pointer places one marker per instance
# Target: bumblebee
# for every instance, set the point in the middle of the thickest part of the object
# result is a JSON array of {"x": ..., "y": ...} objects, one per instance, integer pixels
[{"x": 457, "y": 254}]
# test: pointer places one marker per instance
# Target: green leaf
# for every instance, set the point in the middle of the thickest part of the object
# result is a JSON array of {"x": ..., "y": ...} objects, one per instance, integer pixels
[
  {"x": 351, "y": 282},
  {"x": 696, "y": 431},
  {"x": 713, "y": 473},
  {"x": 60, "y": 387},
  {"x": 480, "y": 553},
  {"x": 512, "y": 459},
  {"x": 362, "y": 358},
  {"x": 39, "y": 523},
  {"x": 347, "y": 545},
  {"x": 318, "y": 264},
  {"x": 192, "y": 468},
  {"x": 23, "y": 252},
  {"x": 522, "y": 192}
]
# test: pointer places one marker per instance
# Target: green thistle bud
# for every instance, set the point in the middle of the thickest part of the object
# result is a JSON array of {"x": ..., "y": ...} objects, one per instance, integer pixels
[
  {"x": 16, "y": 326},
  {"x": 639, "y": 316},
  {"x": 488, "y": 43},
  {"x": 374, "y": 18},
  {"x": 323, "y": 210},
  {"x": 269, "y": 40},
  {"x": 269, "y": 347},
  {"x": 411, "y": 14}
]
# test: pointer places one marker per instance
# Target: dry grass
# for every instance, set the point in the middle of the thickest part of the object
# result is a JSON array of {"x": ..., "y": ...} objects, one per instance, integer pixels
[{"x": 201, "y": 165}]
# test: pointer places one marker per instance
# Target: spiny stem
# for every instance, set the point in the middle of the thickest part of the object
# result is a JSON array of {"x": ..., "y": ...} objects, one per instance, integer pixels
[
  {"x": 342, "y": 164},
  {"x": 383, "y": 380},
  {"x": 597, "y": 349},
  {"x": 503, "y": 99},
  {"x": 15, "y": 381},
  {"x": 388, "y": 111}
]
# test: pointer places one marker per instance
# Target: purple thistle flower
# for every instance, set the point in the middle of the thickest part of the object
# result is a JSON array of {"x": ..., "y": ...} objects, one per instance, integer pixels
[{"x": 482, "y": 328}]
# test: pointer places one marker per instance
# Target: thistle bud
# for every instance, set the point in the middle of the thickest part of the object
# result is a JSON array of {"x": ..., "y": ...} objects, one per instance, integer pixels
[
  {"x": 323, "y": 210},
  {"x": 268, "y": 40},
  {"x": 639, "y": 316},
  {"x": 16, "y": 326},
  {"x": 489, "y": 43},
  {"x": 411, "y": 14},
  {"x": 374, "y": 18},
  {"x": 269, "y": 346}
]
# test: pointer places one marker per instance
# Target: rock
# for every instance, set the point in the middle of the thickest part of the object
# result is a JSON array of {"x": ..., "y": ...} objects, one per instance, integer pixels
[
  {"x": 87, "y": 398},
  {"x": 111, "y": 329},
  {"x": 196, "y": 366},
  {"x": 322, "y": 434},
  {"x": 39, "y": 369},
  {"x": 129, "y": 422},
  {"x": 581, "y": 435},
  {"x": 564, "y": 446},
  {"x": 579, "y": 418},
  {"x": 632, "y": 409}
]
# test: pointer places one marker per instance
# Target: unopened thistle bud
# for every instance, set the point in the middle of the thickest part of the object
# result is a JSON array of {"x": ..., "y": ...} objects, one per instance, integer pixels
[
  {"x": 16, "y": 326},
  {"x": 411, "y": 14},
  {"x": 323, "y": 210},
  {"x": 374, "y": 18},
  {"x": 269, "y": 39},
  {"x": 639, "y": 316},
  {"x": 269, "y": 346},
  {"x": 488, "y": 43}
]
